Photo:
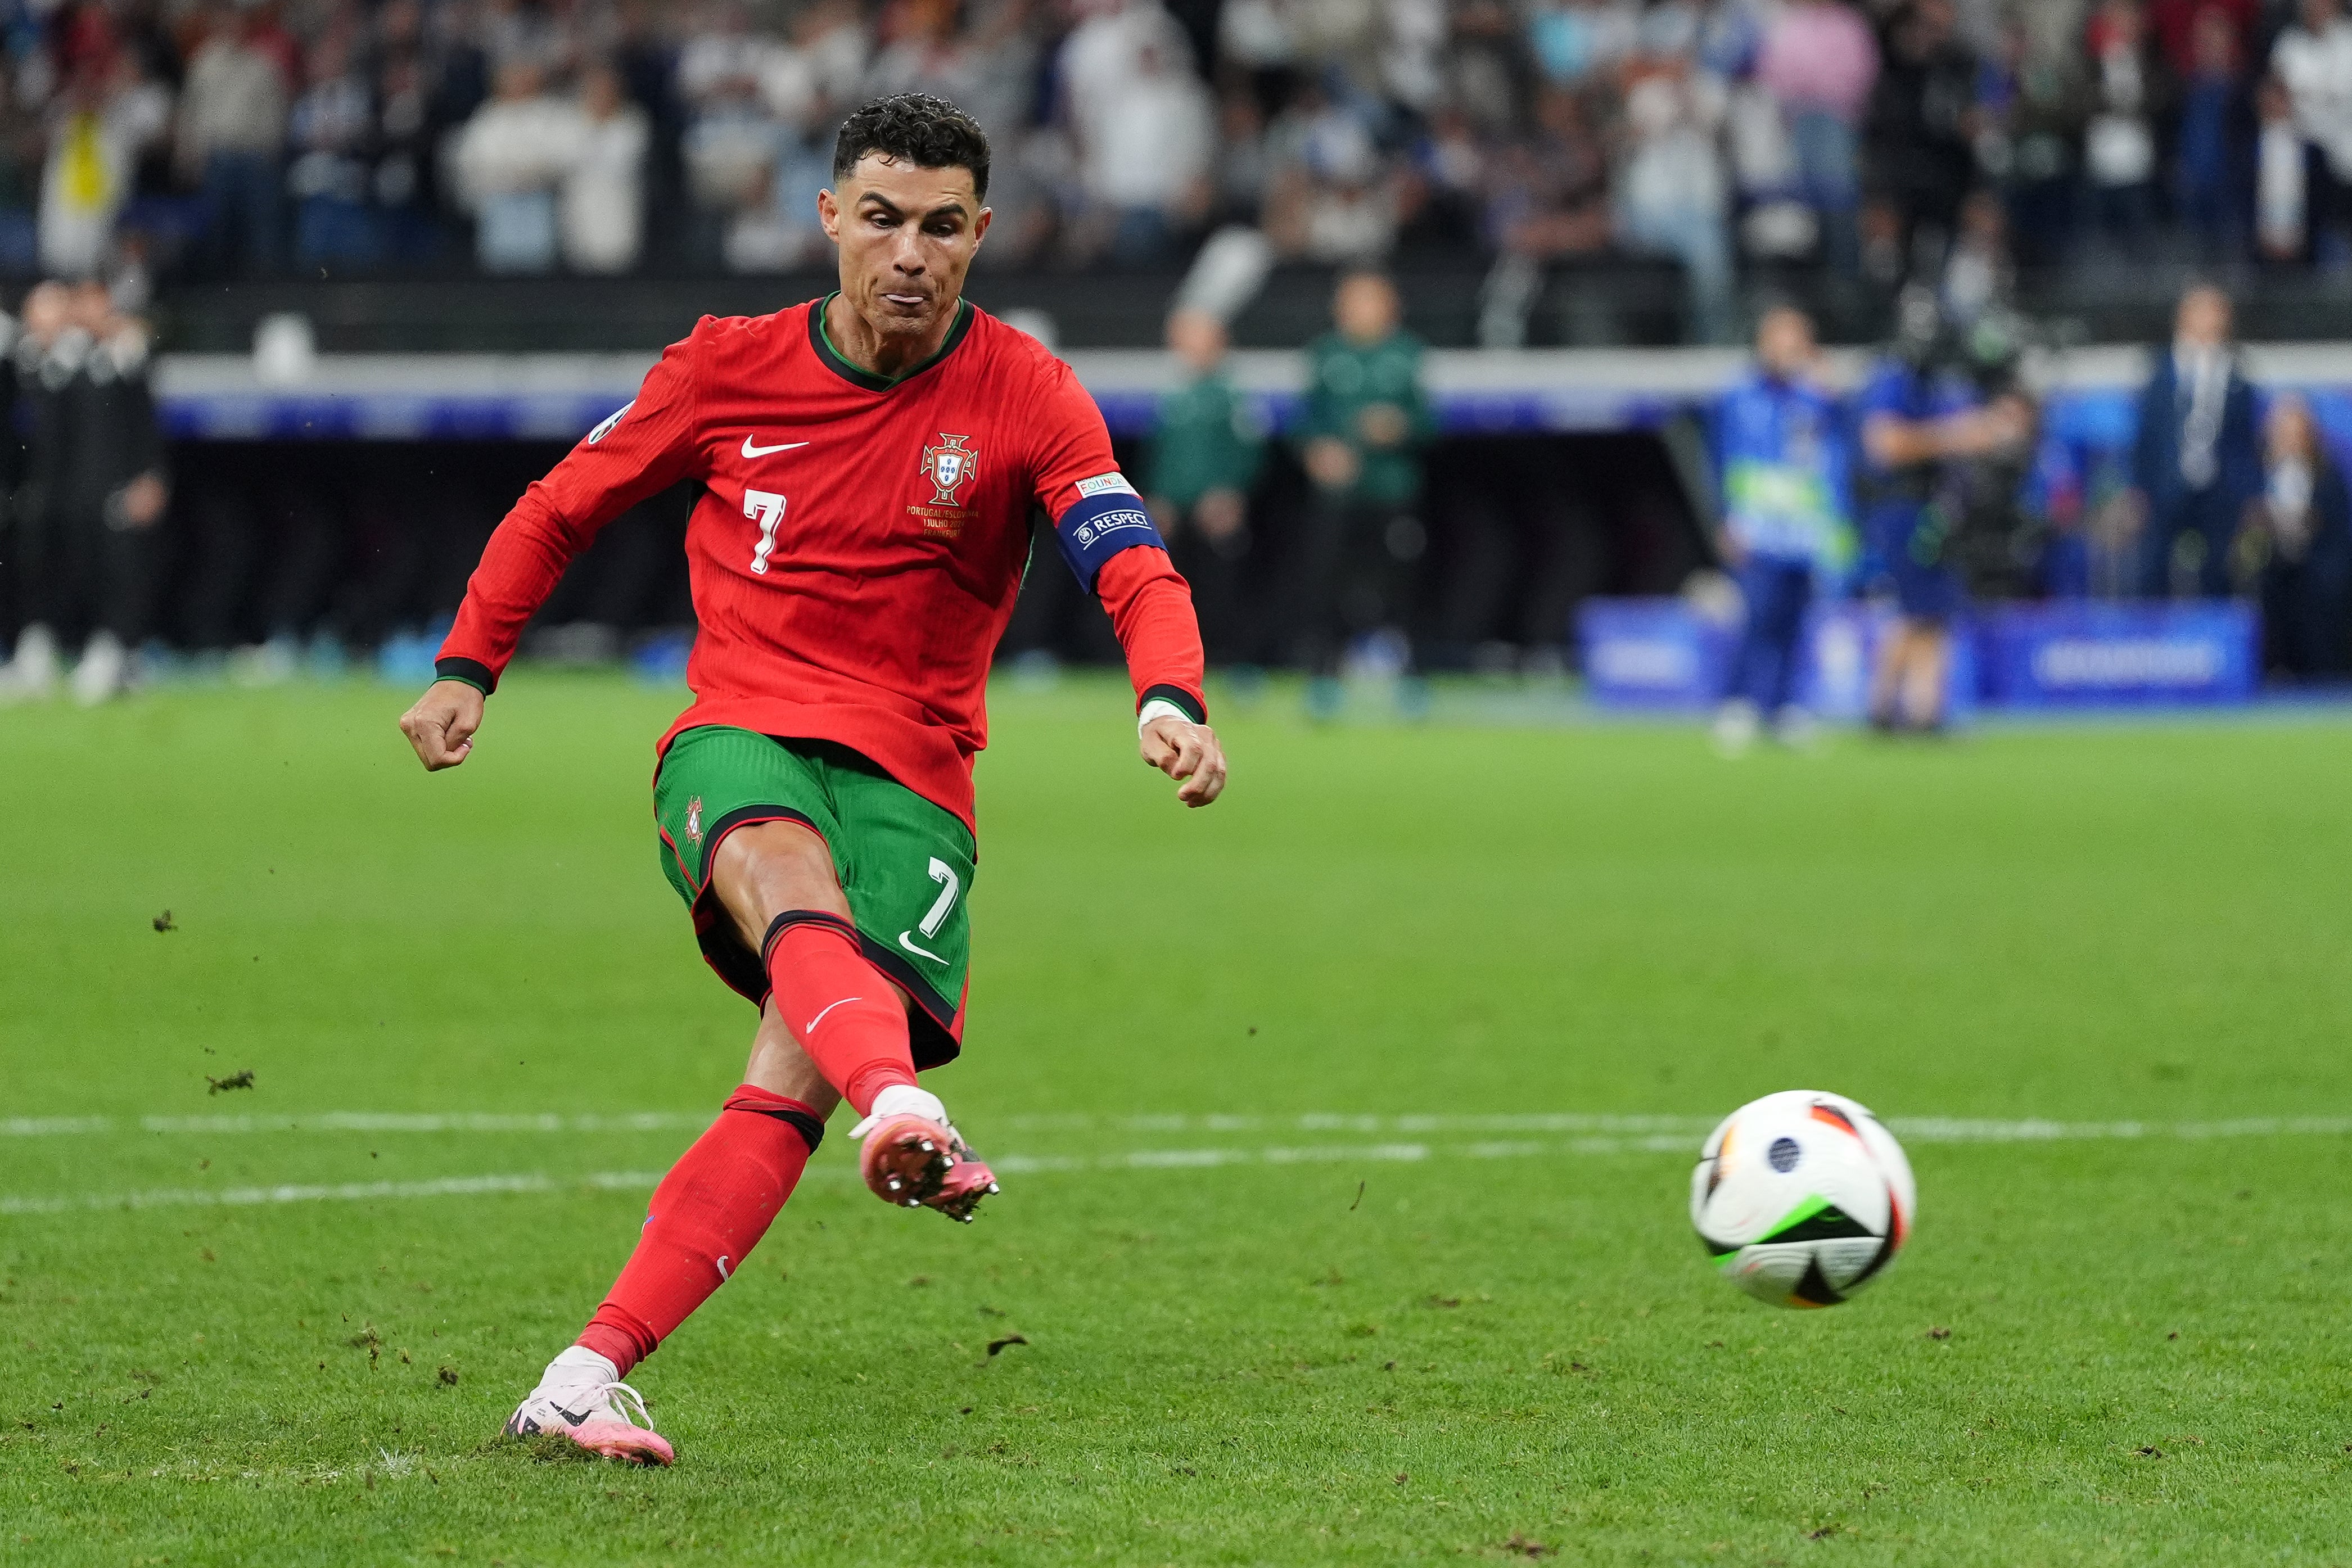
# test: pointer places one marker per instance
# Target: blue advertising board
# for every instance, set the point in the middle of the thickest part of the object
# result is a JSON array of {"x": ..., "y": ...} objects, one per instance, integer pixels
[
  {"x": 2109, "y": 656},
  {"x": 1660, "y": 655},
  {"x": 1651, "y": 653}
]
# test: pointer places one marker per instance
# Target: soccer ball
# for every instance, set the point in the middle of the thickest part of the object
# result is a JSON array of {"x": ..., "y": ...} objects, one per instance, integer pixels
[{"x": 1802, "y": 1197}]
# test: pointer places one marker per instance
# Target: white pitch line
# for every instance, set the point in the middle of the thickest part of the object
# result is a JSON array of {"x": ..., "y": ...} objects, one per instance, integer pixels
[
  {"x": 347, "y": 1192},
  {"x": 440, "y": 1121},
  {"x": 1947, "y": 1130},
  {"x": 364, "y": 1122},
  {"x": 1915, "y": 1129},
  {"x": 540, "y": 1182},
  {"x": 47, "y": 1126},
  {"x": 1923, "y": 1132}
]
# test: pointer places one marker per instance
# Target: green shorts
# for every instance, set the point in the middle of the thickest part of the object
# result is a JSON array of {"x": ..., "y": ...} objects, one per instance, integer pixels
[{"x": 905, "y": 864}]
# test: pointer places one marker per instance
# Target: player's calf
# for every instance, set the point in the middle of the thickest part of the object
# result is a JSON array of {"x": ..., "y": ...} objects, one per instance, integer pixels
[{"x": 914, "y": 1157}]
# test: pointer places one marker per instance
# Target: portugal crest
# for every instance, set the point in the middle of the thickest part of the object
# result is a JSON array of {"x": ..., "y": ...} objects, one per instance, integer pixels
[
  {"x": 694, "y": 820},
  {"x": 949, "y": 468}
]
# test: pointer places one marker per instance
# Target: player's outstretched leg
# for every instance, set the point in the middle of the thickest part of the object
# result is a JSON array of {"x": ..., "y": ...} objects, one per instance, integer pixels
[
  {"x": 851, "y": 1020},
  {"x": 707, "y": 1213}
]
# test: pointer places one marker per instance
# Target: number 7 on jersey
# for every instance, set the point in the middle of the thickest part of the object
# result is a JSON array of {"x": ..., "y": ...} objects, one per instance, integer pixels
[{"x": 766, "y": 509}]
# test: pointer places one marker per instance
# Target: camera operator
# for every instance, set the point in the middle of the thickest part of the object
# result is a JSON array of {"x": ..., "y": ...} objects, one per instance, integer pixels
[{"x": 1944, "y": 428}]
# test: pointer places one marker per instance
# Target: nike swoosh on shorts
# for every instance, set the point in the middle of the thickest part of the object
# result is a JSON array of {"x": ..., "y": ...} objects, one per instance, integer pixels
[{"x": 904, "y": 941}]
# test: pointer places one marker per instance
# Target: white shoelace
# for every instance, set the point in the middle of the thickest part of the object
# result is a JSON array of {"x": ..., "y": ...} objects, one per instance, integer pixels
[{"x": 617, "y": 1397}]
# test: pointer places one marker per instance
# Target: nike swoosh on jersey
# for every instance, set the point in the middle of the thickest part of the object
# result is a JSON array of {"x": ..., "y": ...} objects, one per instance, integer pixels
[
  {"x": 752, "y": 451},
  {"x": 904, "y": 941}
]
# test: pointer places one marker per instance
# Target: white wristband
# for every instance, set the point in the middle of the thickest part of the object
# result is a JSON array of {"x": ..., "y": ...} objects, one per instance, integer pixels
[{"x": 1159, "y": 707}]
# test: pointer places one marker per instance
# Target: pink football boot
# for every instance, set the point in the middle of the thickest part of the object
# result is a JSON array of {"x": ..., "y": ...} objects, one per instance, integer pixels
[
  {"x": 917, "y": 1162},
  {"x": 599, "y": 1418}
]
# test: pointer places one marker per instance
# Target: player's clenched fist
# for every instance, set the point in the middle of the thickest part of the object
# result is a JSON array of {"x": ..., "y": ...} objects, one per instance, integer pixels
[
  {"x": 1188, "y": 753},
  {"x": 442, "y": 724}
]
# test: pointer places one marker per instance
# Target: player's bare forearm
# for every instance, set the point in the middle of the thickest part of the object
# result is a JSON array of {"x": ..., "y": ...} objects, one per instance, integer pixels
[
  {"x": 1188, "y": 753},
  {"x": 441, "y": 724}
]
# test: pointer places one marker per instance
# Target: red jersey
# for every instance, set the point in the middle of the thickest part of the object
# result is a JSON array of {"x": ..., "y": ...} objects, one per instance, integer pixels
[{"x": 859, "y": 543}]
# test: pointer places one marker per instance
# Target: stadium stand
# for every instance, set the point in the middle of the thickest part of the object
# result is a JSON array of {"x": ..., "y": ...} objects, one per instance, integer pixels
[{"x": 396, "y": 254}]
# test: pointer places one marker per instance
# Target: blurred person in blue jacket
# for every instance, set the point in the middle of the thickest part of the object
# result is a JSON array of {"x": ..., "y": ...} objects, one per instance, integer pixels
[
  {"x": 1938, "y": 422},
  {"x": 1784, "y": 461},
  {"x": 2197, "y": 458}
]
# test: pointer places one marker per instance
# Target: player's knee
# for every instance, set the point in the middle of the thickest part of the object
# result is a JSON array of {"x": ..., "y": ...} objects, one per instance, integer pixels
[{"x": 763, "y": 869}]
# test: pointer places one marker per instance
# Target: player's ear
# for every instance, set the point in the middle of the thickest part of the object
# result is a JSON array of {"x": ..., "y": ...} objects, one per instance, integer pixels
[
  {"x": 828, "y": 214},
  {"x": 979, "y": 225}
]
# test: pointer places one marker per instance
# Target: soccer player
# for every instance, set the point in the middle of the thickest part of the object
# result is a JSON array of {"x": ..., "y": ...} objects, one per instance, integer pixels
[
  {"x": 868, "y": 465},
  {"x": 1783, "y": 459}
]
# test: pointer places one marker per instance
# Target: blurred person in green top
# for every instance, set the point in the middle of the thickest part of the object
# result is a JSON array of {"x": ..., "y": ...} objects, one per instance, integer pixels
[
  {"x": 1367, "y": 421},
  {"x": 1208, "y": 444}
]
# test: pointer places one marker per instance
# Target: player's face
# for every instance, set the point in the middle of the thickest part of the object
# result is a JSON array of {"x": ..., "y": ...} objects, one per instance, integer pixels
[{"x": 906, "y": 235}]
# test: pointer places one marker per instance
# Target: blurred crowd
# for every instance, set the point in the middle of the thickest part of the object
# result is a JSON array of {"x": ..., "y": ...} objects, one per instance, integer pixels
[
  {"x": 1353, "y": 538},
  {"x": 1877, "y": 139}
]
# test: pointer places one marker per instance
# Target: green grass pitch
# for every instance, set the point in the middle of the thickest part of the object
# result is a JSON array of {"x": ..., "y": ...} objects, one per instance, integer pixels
[{"x": 1417, "y": 1034}]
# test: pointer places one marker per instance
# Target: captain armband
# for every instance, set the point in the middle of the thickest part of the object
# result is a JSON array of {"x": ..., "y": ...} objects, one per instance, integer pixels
[{"x": 1098, "y": 528}]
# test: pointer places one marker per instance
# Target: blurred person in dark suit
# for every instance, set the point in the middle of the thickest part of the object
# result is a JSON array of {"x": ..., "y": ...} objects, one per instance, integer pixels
[
  {"x": 94, "y": 491},
  {"x": 2297, "y": 547},
  {"x": 2197, "y": 459},
  {"x": 37, "y": 554},
  {"x": 1207, "y": 447}
]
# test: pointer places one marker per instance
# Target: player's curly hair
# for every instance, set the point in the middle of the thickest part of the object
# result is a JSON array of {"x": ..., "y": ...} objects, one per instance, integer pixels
[{"x": 914, "y": 127}]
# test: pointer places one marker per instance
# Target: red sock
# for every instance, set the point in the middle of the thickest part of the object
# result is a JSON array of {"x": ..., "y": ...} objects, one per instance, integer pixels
[
  {"x": 847, "y": 1015},
  {"x": 706, "y": 1214}
]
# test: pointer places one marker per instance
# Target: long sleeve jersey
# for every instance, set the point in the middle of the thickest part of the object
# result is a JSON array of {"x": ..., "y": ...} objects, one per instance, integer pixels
[{"x": 859, "y": 542}]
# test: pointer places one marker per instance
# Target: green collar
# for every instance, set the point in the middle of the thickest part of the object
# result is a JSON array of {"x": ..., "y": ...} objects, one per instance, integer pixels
[{"x": 857, "y": 375}]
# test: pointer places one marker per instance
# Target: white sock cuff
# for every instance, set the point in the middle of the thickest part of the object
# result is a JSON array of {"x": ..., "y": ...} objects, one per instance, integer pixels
[
  {"x": 902, "y": 1100},
  {"x": 576, "y": 1361}
]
